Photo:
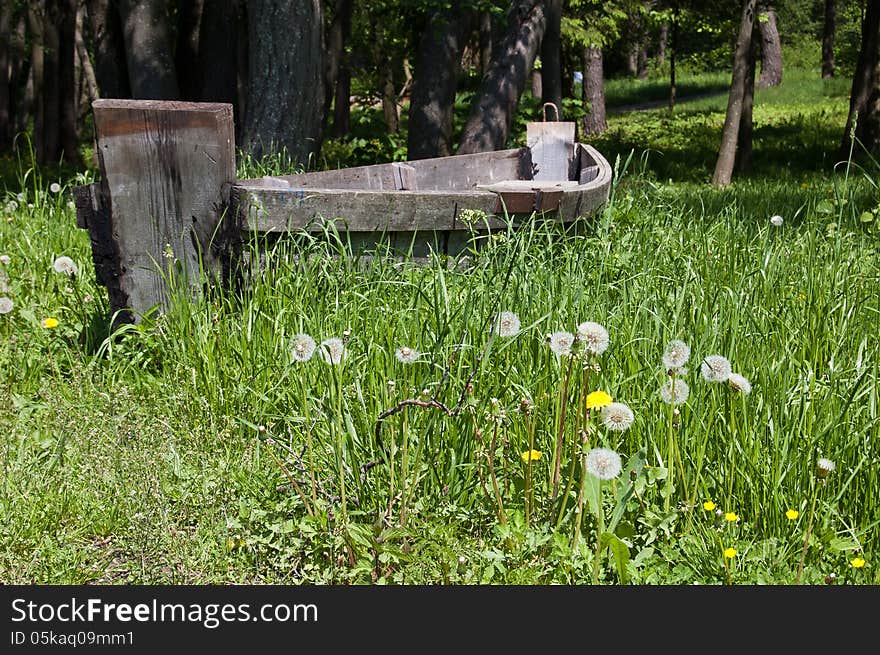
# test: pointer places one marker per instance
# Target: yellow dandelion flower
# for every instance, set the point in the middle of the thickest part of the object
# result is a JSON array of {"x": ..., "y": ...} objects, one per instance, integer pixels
[
  {"x": 598, "y": 399},
  {"x": 792, "y": 514},
  {"x": 50, "y": 323},
  {"x": 731, "y": 516},
  {"x": 857, "y": 562},
  {"x": 531, "y": 455},
  {"x": 729, "y": 553},
  {"x": 708, "y": 506}
]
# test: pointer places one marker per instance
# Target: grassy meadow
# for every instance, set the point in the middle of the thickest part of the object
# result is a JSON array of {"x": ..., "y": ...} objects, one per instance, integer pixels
[{"x": 352, "y": 420}]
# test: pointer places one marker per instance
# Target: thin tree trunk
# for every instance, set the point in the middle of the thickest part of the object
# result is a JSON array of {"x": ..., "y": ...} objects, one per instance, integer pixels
[
  {"x": 551, "y": 55},
  {"x": 388, "y": 92},
  {"x": 148, "y": 49},
  {"x": 491, "y": 115},
  {"x": 673, "y": 51},
  {"x": 594, "y": 92},
  {"x": 20, "y": 65},
  {"x": 109, "y": 49},
  {"x": 661, "y": 44},
  {"x": 829, "y": 29},
  {"x": 67, "y": 92},
  {"x": 88, "y": 80},
  {"x": 744, "y": 149},
  {"x": 486, "y": 42},
  {"x": 729, "y": 135},
  {"x": 864, "y": 79},
  {"x": 436, "y": 75},
  {"x": 771, "y": 49},
  {"x": 337, "y": 37},
  {"x": 5, "y": 95},
  {"x": 285, "y": 102},
  {"x": 342, "y": 102},
  {"x": 186, "y": 54}
]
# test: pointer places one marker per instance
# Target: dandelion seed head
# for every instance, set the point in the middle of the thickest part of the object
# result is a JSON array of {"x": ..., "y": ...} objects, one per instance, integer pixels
[
  {"x": 302, "y": 347},
  {"x": 333, "y": 350},
  {"x": 676, "y": 355},
  {"x": 824, "y": 466},
  {"x": 603, "y": 463},
  {"x": 6, "y": 305},
  {"x": 11, "y": 206},
  {"x": 65, "y": 264},
  {"x": 715, "y": 368},
  {"x": 507, "y": 324},
  {"x": 594, "y": 337},
  {"x": 406, "y": 355},
  {"x": 54, "y": 187},
  {"x": 4, "y": 259},
  {"x": 674, "y": 392},
  {"x": 776, "y": 221},
  {"x": 739, "y": 383},
  {"x": 561, "y": 342},
  {"x": 617, "y": 417}
]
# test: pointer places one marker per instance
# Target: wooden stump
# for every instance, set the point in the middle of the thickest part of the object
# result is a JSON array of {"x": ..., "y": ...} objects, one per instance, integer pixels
[{"x": 158, "y": 213}]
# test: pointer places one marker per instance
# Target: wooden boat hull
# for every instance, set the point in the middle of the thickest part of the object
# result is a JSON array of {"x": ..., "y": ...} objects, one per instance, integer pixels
[{"x": 457, "y": 194}]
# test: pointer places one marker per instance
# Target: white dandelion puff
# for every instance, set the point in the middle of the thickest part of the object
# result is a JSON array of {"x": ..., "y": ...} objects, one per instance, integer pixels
[
  {"x": 674, "y": 392},
  {"x": 824, "y": 466},
  {"x": 715, "y": 368},
  {"x": 507, "y": 324},
  {"x": 740, "y": 383},
  {"x": 6, "y": 305},
  {"x": 776, "y": 221},
  {"x": 11, "y": 206},
  {"x": 603, "y": 463},
  {"x": 333, "y": 350},
  {"x": 406, "y": 355},
  {"x": 4, "y": 259},
  {"x": 65, "y": 264},
  {"x": 617, "y": 417},
  {"x": 54, "y": 187},
  {"x": 561, "y": 342},
  {"x": 302, "y": 347},
  {"x": 676, "y": 355},
  {"x": 594, "y": 337}
]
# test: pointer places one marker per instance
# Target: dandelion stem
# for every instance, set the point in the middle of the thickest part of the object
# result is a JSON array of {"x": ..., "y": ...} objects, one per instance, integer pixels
[
  {"x": 809, "y": 529},
  {"x": 600, "y": 528},
  {"x": 557, "y": 465},
  {"x": 502, "y": 517}
]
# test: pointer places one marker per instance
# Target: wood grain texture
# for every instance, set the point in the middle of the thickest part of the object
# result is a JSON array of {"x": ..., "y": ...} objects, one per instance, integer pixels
[{"x": 164, "y": 169}]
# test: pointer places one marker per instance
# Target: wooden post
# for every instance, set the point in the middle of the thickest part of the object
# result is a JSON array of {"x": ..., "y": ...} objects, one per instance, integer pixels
[{"x": 166, "y": 170}]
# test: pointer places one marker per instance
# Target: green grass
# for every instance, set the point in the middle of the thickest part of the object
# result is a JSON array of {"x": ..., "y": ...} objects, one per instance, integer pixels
[{"x": 192, "y": 448}]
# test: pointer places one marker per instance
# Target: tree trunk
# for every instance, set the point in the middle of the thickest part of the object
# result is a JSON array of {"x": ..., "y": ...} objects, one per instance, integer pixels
[
  {"x": 673, "y": 52},
  {"x": 342, "y": 102},
  {"x": 486, "y": 42},
  {"x": 488, "y": 125},
  {"x": 20, "y": 66},
  {"x": 729, "y": 135},
  {"x": 148, "y": 50},
  {"x": 285, "y": 102},
  {"x": 771, "y": 49},
  {"x": 744, "y": 150},
  {"x": 864, "y": 80},
  {"x": 828, "y": 30},
  {"x": 551, "y": 55},
  {"x": 109, "y": 48},
  {"x": 217, "y": 61},
  {"x": 594, "y": 92},
  {"x": 87, "y": 75},
  {"x": 5, "y": 95},
  {"x": 186, "y": 54},
  {"x": 387, "y": 92},
  {"x": 67, "y": 92},
  {"x": 45, "y": 33},
  {"x": 337, "y": 38},
  {"x": 436, "y": 74},
  {"x": 661, "y": 44}
]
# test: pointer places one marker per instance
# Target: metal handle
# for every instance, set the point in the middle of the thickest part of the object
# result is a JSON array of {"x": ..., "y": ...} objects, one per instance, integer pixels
[{"x": 550, "y": 104}]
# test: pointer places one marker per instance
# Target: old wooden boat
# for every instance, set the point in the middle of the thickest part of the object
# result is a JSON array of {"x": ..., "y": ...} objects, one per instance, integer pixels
[{"x": 434, "y": 204}]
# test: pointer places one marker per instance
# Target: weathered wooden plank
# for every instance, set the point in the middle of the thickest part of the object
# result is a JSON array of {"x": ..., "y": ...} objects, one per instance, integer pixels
[
  {"x": 404, "y": 177},
  {"x": 461, "y": 172},
  {"x": 281, "y": 210},
  {"x": 164, "y": 168},
  {"x": 553, "y": 149}
]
